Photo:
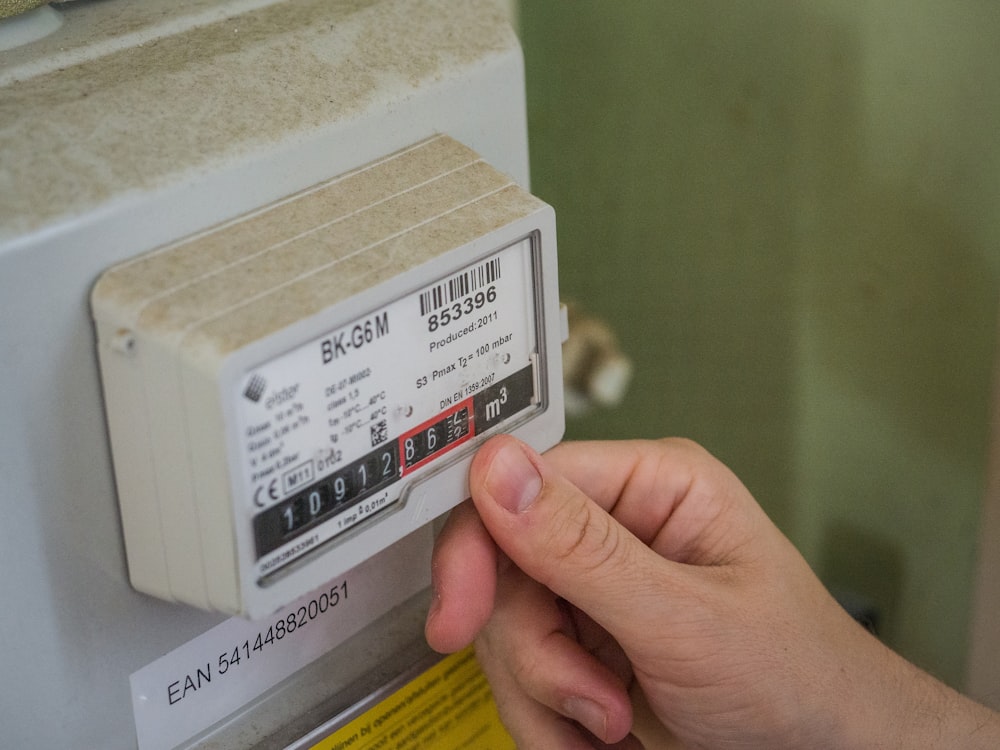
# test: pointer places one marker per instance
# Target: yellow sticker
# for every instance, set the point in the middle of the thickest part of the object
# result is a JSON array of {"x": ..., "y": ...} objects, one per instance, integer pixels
[{"x": 450, "y": 706}]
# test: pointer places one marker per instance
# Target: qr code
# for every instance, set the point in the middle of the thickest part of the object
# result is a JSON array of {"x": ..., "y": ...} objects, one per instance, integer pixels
[{"x": 380, "y": 431}]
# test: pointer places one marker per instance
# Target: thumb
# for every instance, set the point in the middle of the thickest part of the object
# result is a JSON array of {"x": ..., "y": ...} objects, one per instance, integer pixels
[{"x": 563, "y": 539}]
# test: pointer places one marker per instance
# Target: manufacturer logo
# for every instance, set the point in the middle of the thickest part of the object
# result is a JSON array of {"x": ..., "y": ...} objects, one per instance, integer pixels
[{"x": 255, "y": 388}]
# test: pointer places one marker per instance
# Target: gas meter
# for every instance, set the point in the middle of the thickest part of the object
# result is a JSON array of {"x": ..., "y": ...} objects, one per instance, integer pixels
[{"x": 295, "y": 390}]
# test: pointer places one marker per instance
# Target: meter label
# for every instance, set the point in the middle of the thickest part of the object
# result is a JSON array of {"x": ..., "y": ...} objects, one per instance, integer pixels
[{"x": 334, "y": 430}]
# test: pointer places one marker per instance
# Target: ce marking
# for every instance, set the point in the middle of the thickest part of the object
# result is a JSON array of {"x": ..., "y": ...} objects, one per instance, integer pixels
[{"x": 271, "y": 488}]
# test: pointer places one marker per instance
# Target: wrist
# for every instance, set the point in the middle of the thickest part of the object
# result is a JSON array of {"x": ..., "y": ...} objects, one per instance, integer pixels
[{"x": 897, "y": 706}]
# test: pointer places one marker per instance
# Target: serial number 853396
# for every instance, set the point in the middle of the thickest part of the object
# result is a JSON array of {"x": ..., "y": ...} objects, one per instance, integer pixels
[{"x": 463, "y": 307}]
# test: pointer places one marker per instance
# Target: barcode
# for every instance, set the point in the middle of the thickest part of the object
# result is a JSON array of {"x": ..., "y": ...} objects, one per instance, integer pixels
[{"x": 459, "y": 286}]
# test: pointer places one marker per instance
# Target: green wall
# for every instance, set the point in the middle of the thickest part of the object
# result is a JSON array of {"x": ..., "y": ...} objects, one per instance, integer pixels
[{"x": 790, "y": 213}]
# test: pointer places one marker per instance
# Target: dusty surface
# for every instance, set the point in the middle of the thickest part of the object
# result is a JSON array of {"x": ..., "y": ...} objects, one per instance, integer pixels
[
  {"x": 133, "y": 118},
  {"x": 217, "y": 292}
]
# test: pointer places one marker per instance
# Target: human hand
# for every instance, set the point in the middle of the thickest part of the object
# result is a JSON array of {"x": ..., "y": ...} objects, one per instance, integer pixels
[{"x": 648, "y": 565}]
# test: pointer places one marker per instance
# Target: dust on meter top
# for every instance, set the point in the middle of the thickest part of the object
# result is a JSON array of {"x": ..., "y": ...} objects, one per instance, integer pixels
[{"x": 296, "y": 389}]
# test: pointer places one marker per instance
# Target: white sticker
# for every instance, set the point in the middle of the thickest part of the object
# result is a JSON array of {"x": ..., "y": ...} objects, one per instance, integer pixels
[
  {"x": 186, "y": 691},
  {"x": 332, "y": 430}
]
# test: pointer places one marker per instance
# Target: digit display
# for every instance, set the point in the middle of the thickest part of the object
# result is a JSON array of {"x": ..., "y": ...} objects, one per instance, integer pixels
[
  {"x": 378, "y": 470},
  {"x": 325, "y": 499},
  {"x": 441, "y": 434}
]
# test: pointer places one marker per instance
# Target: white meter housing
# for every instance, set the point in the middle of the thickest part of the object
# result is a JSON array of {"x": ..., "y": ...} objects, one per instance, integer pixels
[{"x": 293, "y": 391}]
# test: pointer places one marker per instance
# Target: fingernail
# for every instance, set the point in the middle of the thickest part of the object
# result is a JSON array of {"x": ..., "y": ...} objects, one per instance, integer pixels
[
  {"x": 513, "y": 481},
  {"x": 589, "y": 714},
  {"x": 435, "y": 605}
]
